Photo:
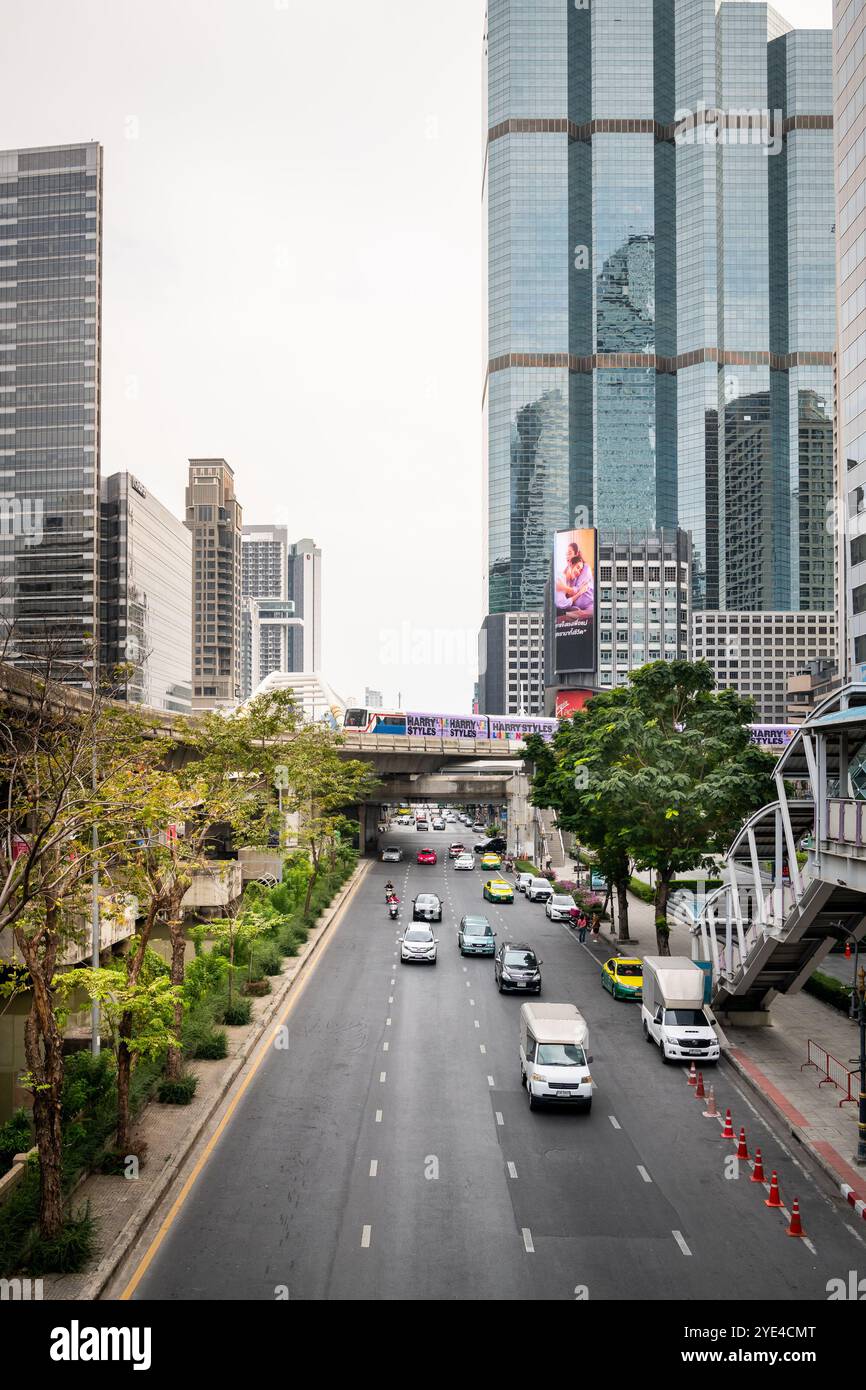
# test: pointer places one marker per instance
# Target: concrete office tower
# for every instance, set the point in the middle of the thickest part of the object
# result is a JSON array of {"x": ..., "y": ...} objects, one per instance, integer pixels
[
  {"x": 373, "y": 699},
  {"x": 660, "y": 263},
  {"x": 145, "y": 595},
  {"x": 50, "y": 340},
  {"x": 849, "y": 83},
  {"x": 281, "y": 600},
  {"x": 510, "y": 664},
  {"x": 213, "y": 515}
]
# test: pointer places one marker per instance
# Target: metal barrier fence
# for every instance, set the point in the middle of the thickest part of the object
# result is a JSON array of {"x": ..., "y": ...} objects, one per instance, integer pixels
[{"x": 835, "y": 1073}]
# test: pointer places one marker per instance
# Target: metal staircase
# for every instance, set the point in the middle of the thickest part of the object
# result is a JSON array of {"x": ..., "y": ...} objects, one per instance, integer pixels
[{"x": 773, "y": 922}]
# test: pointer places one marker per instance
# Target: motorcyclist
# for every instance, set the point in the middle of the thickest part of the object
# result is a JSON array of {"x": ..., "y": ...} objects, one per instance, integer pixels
[{"x": 389, "y": 891}]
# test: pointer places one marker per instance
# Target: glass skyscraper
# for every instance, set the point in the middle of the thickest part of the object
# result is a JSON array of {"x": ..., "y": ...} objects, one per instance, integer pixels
[
  {"x": 50, "y": 331},
  {"x": 659, "y": 205}
]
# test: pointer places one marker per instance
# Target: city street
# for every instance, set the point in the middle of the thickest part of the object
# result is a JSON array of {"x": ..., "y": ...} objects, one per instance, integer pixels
[{"x": 390, "y": 1152}]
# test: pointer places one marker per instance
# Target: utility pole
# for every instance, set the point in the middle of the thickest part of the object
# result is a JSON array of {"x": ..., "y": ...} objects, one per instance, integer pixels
[
  {"x": 861, "y": 1127},
  {"x": 95, "y": 1041}
]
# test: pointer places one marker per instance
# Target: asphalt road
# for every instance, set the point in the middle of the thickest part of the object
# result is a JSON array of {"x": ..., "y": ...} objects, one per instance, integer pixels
[{"x": 390, "y": 1152}]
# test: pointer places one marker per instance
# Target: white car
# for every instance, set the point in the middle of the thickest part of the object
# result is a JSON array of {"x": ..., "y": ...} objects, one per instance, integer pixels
[
  {"x": 465, "y": 861},
  {"x": 560, "y": 907},
  {"x": 392, "y": 854},
  {"x": 523, "y": 881},
  {"x": 418, "y": 944},
  {"x": 538, "y": 890}
]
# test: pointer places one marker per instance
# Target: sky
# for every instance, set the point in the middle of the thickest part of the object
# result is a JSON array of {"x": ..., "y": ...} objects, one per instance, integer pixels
[{"x": 292, "y": 281}]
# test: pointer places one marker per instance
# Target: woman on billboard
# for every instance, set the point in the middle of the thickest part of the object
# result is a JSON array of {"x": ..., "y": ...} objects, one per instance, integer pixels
[{"x": 575, "y": 588}]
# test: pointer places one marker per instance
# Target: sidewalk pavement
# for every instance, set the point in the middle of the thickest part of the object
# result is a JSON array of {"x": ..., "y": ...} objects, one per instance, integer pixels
[
  {"x": 120, "y": 1206},
  {"x": 772, "y": 1060}
]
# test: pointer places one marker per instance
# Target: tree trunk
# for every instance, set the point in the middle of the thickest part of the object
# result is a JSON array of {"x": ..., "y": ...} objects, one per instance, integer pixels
[
  {"x": 663, "y": 888},
  {"x": 622, "y": 904},
  {"x": 311, "y": 883},
  {"x": 174, "y": 1061},
  {"x": 45, "y": 1064},
  {"x": 124, "y": 1075}
]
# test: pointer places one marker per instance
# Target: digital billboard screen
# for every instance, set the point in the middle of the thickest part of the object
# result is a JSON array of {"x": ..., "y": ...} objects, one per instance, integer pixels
[{"x": 574, "y": 599}]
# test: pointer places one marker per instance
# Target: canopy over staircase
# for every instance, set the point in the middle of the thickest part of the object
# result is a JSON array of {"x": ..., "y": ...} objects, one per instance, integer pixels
[{"x": 773, "y": 921}]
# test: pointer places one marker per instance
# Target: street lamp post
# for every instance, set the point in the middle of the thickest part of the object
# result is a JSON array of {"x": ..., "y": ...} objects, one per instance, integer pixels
[{"x": 861, "y": 1127}]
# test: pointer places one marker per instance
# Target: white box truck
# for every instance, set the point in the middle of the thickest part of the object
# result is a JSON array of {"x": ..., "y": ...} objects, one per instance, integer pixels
[
  {"x": 673, "y": 1010},
  {"x": 554, "y": 1055}
]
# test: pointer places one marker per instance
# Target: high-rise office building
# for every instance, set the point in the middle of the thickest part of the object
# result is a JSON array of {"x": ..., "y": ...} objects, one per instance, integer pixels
[
  {"x": 849, "y": 82},
  {"x": 50, "y": 338},
  {"x": 281, "y": 603},
  {"x": 213, "y": 515},
  {"x": 373, "y": 698},
  {"x": 660, "y": 265},
  {"x": 510, "y": 664},
  {"x": 145, "y": 595}
]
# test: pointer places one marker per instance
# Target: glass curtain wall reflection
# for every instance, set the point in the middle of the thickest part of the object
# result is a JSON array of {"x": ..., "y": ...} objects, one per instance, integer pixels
[{"x": 661, "y": 315}]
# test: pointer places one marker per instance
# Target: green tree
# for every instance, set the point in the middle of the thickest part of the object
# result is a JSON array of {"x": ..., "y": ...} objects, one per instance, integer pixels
[{"x": 669, "y": 769}]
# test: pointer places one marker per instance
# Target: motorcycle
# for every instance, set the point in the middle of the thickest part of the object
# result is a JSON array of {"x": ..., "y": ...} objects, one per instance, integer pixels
[{"x": 394, "y": 909}]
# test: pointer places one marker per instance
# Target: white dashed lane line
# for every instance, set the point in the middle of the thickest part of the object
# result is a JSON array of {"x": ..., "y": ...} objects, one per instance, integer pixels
[
  {"x": 527, "y": 1241},
  {"x": 382, "y": 1076},
  {"x": 512, "y": 1170},
  {"x": 614, "y": 1121},
  {"x": 490, "y": 1081},
  {"x": 366, "y": 1235},
  {"x": 385, "y": 1046},
  {"x": 483, "y": 1049},
  {"x": 678, "y": 1237},
  {"x": 378, "y": 1117},
  {"x": 374, "y": 1167},
  {"x": 500, "y": 1118},
  {"x": 643, "y": 1172}
]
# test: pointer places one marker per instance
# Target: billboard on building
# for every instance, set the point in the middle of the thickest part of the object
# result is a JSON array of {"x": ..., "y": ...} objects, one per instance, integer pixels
[
  {"x": 774, "y": 737},
  {"x": 568, "y": 702},
  {"x": 574, "y": 599}
]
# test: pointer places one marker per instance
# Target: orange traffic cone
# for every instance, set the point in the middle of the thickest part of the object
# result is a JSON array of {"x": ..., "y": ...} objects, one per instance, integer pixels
[
  {"x": 758, "y": 1174},
  {"x": 700, "y": 1093},
  {"x": 711, "y": 1113},
  {"x": 693, "y": 1077},
  {"x": 774, "y": 1199},
  {"x": 742, "y": 1151},
  {"x": 796, "y": 1226},
  {"x": 728, "y": 1131}
]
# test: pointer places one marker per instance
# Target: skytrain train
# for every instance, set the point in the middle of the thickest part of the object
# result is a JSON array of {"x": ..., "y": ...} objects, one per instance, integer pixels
[{"x": 509, "y": 728}]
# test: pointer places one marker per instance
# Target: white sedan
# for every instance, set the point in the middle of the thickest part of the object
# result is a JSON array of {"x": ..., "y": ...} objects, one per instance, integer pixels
[
  {"x": 465, "y": 861},
  {"x": 418, "y": 944},
  {"x": 560, "y": 907}
]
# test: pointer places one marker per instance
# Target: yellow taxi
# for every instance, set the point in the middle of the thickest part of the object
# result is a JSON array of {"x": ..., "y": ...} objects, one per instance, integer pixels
[
  {"x": 491, "y": 861},
  {"x": 496, "y": 890},
  {"x": 624, "y": 978}
]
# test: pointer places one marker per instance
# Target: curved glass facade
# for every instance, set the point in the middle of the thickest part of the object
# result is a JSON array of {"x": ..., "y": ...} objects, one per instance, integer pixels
[{"x": 661, "y": 313}]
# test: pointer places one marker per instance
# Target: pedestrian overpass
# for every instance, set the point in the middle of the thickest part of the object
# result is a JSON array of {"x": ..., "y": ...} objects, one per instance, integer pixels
[{"x": 775, "y": 919}]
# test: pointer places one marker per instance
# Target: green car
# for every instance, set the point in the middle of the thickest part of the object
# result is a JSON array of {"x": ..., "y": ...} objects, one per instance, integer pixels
[{"x": 476, "y": 937}]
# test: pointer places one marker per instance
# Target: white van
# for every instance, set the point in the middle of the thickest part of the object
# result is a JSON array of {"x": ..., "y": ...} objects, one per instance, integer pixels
[
  {"x": 539, "y": 890},
  {"x": 672, "y": 1010},
  {"x": 554, "y": 1055}
]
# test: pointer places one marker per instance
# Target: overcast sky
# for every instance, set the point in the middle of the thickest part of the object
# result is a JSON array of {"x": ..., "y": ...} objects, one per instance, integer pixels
[{"x": 292, "y": 272}]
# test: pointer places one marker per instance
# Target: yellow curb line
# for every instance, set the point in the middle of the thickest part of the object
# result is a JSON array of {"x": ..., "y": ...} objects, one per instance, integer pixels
[{"x": 295, "y": 994}]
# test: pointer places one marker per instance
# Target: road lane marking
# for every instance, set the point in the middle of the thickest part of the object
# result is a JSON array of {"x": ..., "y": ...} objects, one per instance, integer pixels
[
  {"x": 382, "y": 1076},
  {"x": 527, "y": 1241},
  {"x": 385, "y": 1046},
  {"x": 678, "y": 1237},
  {"x": 512, "y": 1170},
  {"x": 477, "y": 1024},
  {"x": 264, "y": 1051},
  {"x": 472, "y": 1001},
  {"x": 378, "y": 1117},
  {"x": 374, "y": 1167},
  {"x": 387, "y": 1023},
  {"x": 614, "y": 1121},
  {"x": 499, "y": 1118},
  {"x": 483, "y": 1049},
  {"x": 643, "y": 1172},
  {"x": 365, "y": 1237},
  {"x": 490, "y": 1081},
  {"x": 390, "y": 999}
]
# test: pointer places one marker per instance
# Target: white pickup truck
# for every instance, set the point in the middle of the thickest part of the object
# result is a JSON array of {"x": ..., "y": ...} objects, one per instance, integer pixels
[{"x": 672, "y": 1010}]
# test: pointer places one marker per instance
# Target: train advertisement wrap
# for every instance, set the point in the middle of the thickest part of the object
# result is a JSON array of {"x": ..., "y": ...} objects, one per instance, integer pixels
[{"x": 446, "y": 725}]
